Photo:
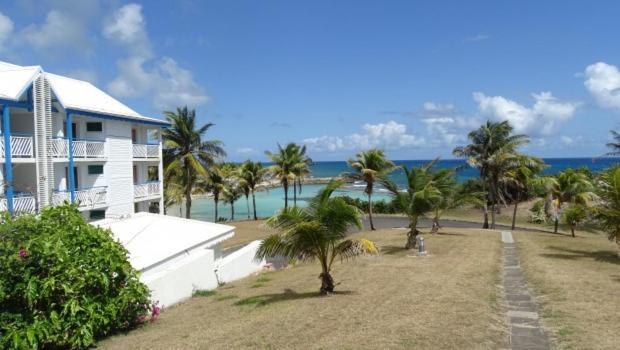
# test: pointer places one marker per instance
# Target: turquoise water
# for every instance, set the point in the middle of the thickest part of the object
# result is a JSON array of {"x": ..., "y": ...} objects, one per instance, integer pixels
[{"x": 269, "y": 202}]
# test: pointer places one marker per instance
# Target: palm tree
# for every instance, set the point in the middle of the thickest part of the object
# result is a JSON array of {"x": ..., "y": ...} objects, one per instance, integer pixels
[
  {"x": 370, "y": 166},
  {"x": 233, "y": 189},
  {"x": 186, "y": 150},
  {"x": 252, "y": 174},
  {"x": 420, "y": 195},
  {"x": 574, "y": 215},
  {"x": 490, "y": 146},
  {"x": 569, "y": 186},
  {"x": 318, "y": 232},
  {"x": 215, "y": 184},
  {"x": 174, "y": 194},
  {"x": 283, "y": 166},
  {"x": 608, "y": 213},
  {"x": 300, "y": 168},
  {"x": 519, "y": 179},
  {"x": 615, "y": 146}
]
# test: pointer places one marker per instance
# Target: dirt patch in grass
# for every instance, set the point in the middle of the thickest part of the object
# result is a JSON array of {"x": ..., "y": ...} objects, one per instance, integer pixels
[
  {"x": 246, "y": 232},
  {"x": 577, "y": 282},
  {"x": 447, "y": 300}
]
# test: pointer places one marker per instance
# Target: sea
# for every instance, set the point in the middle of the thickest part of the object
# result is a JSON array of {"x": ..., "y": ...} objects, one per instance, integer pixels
[{"x": 268, "y": 202}]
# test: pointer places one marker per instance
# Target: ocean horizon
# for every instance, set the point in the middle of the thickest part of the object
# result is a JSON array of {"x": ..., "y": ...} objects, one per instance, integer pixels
[{"x": 268, "y": 202}]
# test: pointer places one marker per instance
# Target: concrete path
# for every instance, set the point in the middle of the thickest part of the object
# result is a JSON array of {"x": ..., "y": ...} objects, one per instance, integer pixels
[{"x": 523, "y": 317}]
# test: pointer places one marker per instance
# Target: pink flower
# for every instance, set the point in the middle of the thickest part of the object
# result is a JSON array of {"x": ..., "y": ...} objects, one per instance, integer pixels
[{"x": 22, "y": 253}]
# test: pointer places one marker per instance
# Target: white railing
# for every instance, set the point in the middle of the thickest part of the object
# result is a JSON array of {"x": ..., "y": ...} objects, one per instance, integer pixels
[
  {"x": 88, "y": 197},
  {"x": 21, "y": 203},
  {"x": 144, "y": 190},
  {"x": 21, "y": 146},
  {"x": 81, "y": 148},
  {"x": 145, "y": 151}
]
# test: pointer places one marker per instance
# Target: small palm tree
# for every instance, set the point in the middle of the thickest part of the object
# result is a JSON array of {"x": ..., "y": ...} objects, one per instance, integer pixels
[
  {"x": 614, "y": 146},
  {"x": 608, "y": 213},
  {"x": 519, "y": 178},
  {"x": 318, "y": 232},
  {"x": 490, "y": 147},
  {"x": 300, "y": 168},
  {"x": 574, "y": 215},
  {"x": 370, "y": 166},
  {"x": 282, "y": 168},
  {"x": 252, "y": 174},
  {"x": 214, "y": 183},
  {"x": 417, "y": 199},
  {"x": 187, "y": 152},
  {"x": 569, "y": 186}
]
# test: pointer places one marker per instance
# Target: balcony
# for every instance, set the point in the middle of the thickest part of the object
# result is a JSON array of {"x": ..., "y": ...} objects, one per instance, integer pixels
[
  {"x": 22, "y": 203},
  {"x": 146, "y": 190},
  {"x": 85, "y": 198},
  {"x": 21, "y": 146},
  {"x": 145, "y": 151},
  {"x": 81, "y": 148}
]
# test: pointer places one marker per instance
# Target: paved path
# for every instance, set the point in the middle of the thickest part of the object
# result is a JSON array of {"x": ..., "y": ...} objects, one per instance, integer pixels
[{"x": 525, "y": 329}]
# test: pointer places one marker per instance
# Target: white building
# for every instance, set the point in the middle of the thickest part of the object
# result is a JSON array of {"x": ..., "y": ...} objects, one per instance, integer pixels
[{"x": 65, "y": 140}]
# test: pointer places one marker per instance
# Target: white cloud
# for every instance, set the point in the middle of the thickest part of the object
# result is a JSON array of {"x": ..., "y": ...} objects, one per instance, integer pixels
[
  {"x": 246, "y": 151},
  {"x": 603, "y": 83},
  {"x": 445, "y": 125},
  {"x": 6, "y": 29},
  {"x": 543, "y": 118},
  {"x": 390, "y": 135},
  {"x": 83, "y": 74},
  {"x": 568, "y": 140},
  {"x": 141, "y": 74},
  {"x": 60, "y": 30}
]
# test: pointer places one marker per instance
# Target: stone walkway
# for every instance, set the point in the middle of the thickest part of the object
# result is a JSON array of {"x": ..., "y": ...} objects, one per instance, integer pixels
[{"x": 525, "y": 329}]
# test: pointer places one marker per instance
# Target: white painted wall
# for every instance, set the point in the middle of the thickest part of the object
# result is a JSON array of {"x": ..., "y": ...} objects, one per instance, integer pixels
[
  {"x": 24, "y": 178},
  {"x": 118, "y": 168},
  {"x": 239, "y": 264}
]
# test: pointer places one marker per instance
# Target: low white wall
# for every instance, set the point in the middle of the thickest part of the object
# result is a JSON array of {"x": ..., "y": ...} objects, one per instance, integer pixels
[
  {"x": 239, "y": 264},
  {"x": 172, "y": 285}
]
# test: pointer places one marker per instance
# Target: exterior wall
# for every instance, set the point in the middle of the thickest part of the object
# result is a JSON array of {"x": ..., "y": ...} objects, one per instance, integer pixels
[
  {"x": 24, "y": 178},
  {"x": 239, "y": 264},
  {"x": 22, "y": 122},
  {"x": 118, "y": 169}
]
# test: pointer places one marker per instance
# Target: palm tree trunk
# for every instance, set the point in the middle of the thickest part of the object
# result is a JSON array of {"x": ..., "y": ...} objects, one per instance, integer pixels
[
  {"x": 485, "y": 208},
  {"x": 232, "y": 211},
  {"x": 493, "y": 205},
  {"x": 572, "y": 229},
  {"x": 435, "y": 228},
  {"x": 295, "y": 193},
  {"x": 285, "y": 185},
  {"x": 412, "y": 235},
  {"x": 372, "y": 225},
  {"x": 254, "y": 205},
  {"x": 188, "y": 192},
  {"x": 215, "y": 219},
  {"x": 327, "y": 283},
  {"x": 180, "y": 210},
  {"x": 514, "y": 215},
  {"x": 555, "y": 225},
  {"x": 247, "y": 203}
]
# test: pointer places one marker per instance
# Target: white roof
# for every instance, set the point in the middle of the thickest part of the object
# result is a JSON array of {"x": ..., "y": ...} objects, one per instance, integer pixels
[
  {"x": 153, "y": 238},
  {"x": 14, "y": 80},
  {"x": 71, "y": 93}
]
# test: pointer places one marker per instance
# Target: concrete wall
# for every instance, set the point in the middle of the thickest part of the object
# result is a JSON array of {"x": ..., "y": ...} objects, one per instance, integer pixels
[
  {"x": 178, "y": 281},
  {"x": 239, "y": 264}
]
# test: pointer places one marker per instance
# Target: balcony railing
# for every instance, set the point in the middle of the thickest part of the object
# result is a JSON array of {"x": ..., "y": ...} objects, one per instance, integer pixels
[
  {"x": 81, "y": 148},
  {"x": 87, "y": 197},
  {"x": 23, "y": 203},
  {"x": 21, "y": 146},
  {"x": 145, "y": 150},
  {"x": 145, "y": 190}
]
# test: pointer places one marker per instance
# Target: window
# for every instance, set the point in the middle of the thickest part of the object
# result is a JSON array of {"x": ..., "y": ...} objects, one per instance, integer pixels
[
  {"x": 95, "y": 169},
  {"x": 97, "y": 214},
  {"x": 153, "y": 173},
  {"x": 94, "y": 126}
]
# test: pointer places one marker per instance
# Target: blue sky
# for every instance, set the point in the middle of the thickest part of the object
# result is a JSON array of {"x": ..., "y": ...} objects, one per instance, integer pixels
[{"x": 340, "y": 76}]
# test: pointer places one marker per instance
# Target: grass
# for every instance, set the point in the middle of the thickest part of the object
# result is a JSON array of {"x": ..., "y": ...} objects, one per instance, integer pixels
[
  {"x": 394, "y": 300},
  {"x": 577, "y": 281},
  {"x": 246, "y": 232}
]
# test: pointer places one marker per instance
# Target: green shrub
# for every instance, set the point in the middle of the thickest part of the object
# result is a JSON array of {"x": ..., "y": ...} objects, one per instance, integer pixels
[
  {"x": 65, "y": 283},
  {"x": 378, "y": 207},
  {"x": 539, "y": 215}
]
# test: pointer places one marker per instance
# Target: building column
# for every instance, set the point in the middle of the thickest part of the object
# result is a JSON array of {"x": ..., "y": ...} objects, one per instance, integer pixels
[
  {"x": 8, "y": 167},
  {"x": 70, "y": 155}
]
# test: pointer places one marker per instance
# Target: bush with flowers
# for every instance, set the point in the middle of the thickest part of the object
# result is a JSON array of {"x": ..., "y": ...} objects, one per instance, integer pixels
[{"x": 65, "y": 283}]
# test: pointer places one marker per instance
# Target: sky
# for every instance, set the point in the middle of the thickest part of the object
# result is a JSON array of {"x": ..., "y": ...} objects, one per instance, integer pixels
[{"x": 411, "y": 77}]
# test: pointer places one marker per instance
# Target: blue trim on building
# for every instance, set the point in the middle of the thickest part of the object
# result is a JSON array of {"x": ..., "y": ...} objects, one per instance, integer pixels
[
  {"x": 8, "y": 167},
  {"x": 70, "y": 155},
  {"x": 115, "y": 117}
]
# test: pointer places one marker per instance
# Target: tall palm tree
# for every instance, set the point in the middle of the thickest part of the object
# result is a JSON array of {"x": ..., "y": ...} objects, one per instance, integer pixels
[
  {"x": 300, "y": 168},
  {"x": 186, "y": 150},
  {"x": 282, "y": 168},
  {"x": 519, "y": 178},
  {"x": 615, "y": 146},
  {"x": 214, "y": 183},
  {"x": 608, "y": 213},
  {"x": 490, "y": 146},
  {"x": 318, "y": 232},
  {"x": 252, "y": 174},
  {"x": 569, "y": 186},
  {"x": 420, "y": 195},
  {"x": 370, "y": 166}
]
